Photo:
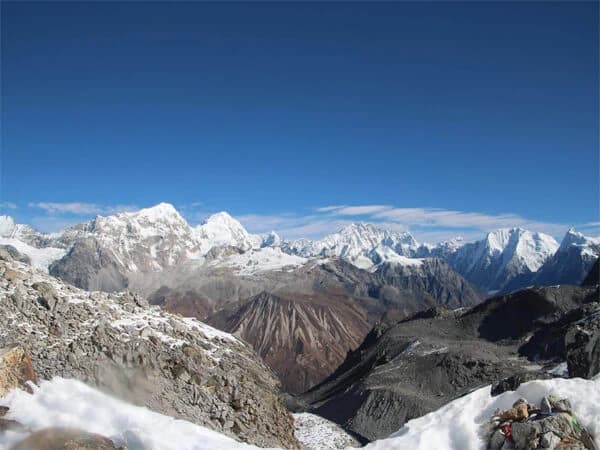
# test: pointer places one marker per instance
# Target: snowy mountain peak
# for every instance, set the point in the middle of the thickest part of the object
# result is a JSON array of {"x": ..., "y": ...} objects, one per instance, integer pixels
[
  {"x": 530, "y": 248},
  {"x": 161, "y": 211},
  {"x": 223, "y": 219},
  {"x": 574, "y": 238},
  {"x": 221, "y": 229},
  {"x": 356, "y": 243}
]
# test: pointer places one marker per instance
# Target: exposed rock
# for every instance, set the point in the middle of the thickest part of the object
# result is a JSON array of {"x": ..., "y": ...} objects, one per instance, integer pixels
[
  {"x": 90, "y": 266},
  {"x": 16, "y": 369},
  {"x": 582, "y": 342},
  {"x": 173, "y": 365},
  {"x": 512, "y": 382},
  {"x": 10, "y": 253}
]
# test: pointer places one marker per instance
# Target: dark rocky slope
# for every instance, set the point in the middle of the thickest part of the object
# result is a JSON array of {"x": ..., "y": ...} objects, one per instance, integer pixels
[{"x": 417, "y": 365}]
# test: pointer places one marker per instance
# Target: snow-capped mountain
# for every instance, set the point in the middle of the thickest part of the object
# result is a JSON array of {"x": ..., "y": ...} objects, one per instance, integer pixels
[
  {"x": 355, "y": 243},
  {"x": 146, "y": 240},
  {"x": 572, "y": 261},
  {"x": 504, "y": 254}
]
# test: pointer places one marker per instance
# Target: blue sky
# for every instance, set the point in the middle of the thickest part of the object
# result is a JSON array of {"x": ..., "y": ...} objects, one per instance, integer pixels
[{"x": 447, "y": 118}]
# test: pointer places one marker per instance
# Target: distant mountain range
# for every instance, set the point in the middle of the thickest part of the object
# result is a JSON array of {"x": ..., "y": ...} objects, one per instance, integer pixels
[{"x": 154, "y": 239}]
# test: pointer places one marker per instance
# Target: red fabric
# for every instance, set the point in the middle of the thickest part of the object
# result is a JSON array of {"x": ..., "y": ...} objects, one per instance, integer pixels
[{"x": 507, "y": 430}]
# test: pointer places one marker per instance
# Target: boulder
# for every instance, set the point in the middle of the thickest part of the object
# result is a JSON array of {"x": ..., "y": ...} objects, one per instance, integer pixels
[
  {"x": 15, "y": 369},
  {"x": 47, "y": 295}
]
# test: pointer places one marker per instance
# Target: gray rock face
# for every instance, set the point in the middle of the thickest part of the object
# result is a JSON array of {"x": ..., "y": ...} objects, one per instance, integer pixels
[
  {"x": 90, "y": 266},
  {"x": 582, "y": 342},
  {"x": 176, "y": 366},
  {"x": 593, "y": 277},
  {"x": 9, "y": 253},
  {"x": 434, "y": 277},
  {"x": 417, "y": 365}
]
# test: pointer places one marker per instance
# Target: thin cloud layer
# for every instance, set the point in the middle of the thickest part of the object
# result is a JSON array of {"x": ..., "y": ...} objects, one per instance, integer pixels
[
  {"x": 8, "y": 205},
  {"x": 427, "y": 224},
  {"x": 80, "y": 208}
]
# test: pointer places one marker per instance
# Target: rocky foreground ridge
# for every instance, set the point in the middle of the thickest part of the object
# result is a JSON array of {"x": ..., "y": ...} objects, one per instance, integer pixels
[{"x": 174, "y": 365}]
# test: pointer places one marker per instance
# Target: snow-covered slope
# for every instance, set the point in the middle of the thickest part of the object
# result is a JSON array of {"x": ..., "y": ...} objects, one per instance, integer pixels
[
  {"x": 461, "y": 424},
  {"x": 40, "y": 258},
  {"x": 504, "y": 254},
  {"x": 355, "y": 243},
  {"x": 381, "y": 255},
  {"x": 71, "y": 404},
  {"x": 260, "y": 260}
]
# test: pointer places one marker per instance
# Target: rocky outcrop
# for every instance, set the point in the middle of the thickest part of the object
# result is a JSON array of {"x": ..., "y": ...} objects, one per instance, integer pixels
[
  {"x": 176, "y": 366},
  {"x": 302, "y": 338},
  {"x": 90, "y": 266},
  {"x": 10, "y": 253},
  {"x": 16, "y": 369},
  {"x": 582, "y": 345}
]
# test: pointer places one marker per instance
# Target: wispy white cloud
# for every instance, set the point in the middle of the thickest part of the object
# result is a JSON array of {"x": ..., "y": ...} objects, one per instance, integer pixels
[
  {"x": 329, "y": 208},
  {"x": 361, "y": 210},
  {"x": 8, "y": 205},
  {"x": 427, "y": 224},
  {"x": 80, "y": 208},
  {"x": 67, "y": 208}
]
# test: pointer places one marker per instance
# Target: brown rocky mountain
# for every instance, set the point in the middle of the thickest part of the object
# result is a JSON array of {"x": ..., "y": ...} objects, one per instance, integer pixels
[{"x": 302, "y": 338}]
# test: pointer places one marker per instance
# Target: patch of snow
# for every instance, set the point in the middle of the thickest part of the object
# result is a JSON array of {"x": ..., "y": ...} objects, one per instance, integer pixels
[
  {"x": 260, "y": 260},
  {"x": 72, "y": 404},
  {"x": 460, "y": 425},
  {"x": 435, "y": 351},
  {"x": 317, "y": 433},
  {"x": 41, "y": 258},
  {"x": 560, "y": 370}
]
